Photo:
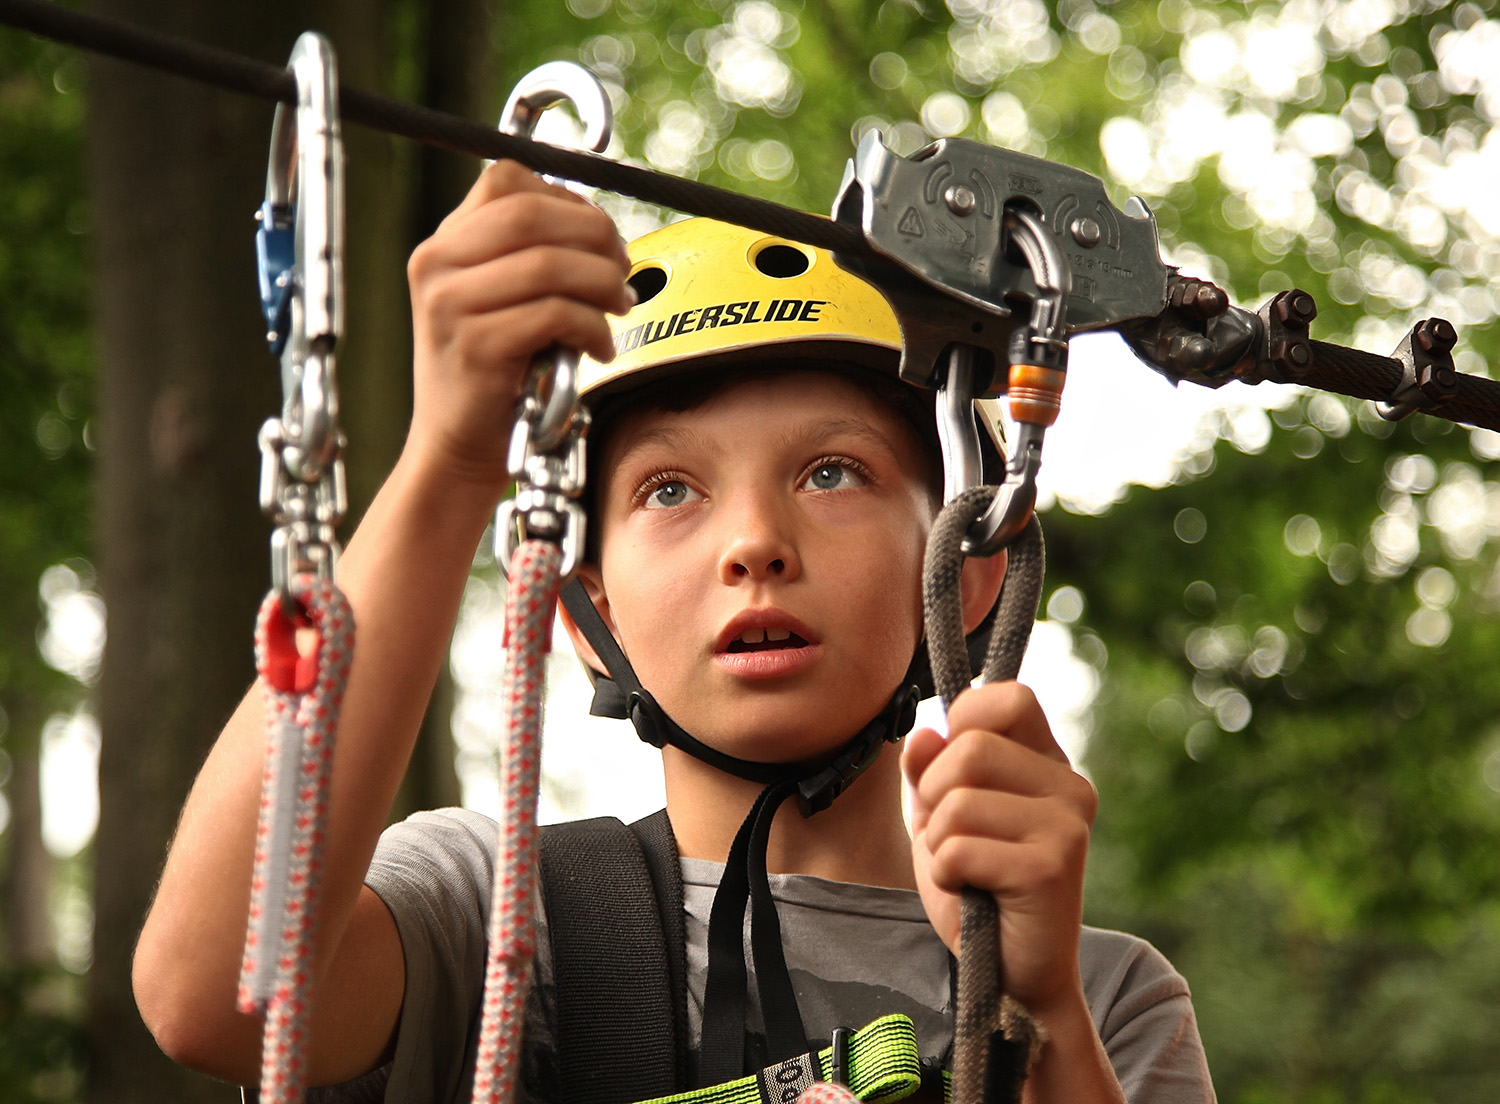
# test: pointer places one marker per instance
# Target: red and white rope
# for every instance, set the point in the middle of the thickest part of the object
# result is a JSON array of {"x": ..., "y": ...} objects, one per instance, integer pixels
[
  {"x": 303, "y": 694},
  {"x": 531, "y": 600},
  {"x": 827, "y": 1092}
]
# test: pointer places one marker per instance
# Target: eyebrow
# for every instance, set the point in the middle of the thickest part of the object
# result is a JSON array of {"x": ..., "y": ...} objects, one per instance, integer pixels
[{"x": 679, "y": 439}]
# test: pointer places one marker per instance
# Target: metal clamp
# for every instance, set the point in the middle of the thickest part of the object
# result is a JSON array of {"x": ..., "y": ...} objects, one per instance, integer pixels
[
  {"x": 546, "y": 456},
  {"x": 1429, "y": 376},
  {"x": 300, "y": 254}
]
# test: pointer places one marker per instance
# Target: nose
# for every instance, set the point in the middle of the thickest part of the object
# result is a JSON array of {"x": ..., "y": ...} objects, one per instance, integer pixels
[{"x": 758, "y": 544}]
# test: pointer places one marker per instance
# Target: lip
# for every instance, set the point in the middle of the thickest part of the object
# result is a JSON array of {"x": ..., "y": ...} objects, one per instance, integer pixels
[{"x": 776, "y": 663}]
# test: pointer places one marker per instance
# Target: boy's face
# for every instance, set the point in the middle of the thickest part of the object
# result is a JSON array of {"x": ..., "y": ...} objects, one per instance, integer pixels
[{"x": 761, "y": 560}]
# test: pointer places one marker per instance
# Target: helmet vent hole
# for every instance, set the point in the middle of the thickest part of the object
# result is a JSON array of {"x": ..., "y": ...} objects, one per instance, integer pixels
[
  {"x": 782, "y": 261},
  {"x": 647, "y": 283}
]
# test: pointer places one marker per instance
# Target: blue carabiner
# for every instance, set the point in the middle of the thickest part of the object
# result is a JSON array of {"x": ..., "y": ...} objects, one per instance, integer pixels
[{"x": 275, "y": 258}]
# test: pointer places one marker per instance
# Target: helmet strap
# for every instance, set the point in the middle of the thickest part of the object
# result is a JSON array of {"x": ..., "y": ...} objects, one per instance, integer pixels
[{"x": 621, "y": 695}]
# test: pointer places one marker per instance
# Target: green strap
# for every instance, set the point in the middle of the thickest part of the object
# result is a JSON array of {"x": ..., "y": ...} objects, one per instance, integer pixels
[{"x": 884, "y": 1066}]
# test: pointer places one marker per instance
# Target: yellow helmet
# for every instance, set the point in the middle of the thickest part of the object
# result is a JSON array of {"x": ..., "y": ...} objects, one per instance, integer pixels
[
  {"x": 713, "y": 290},
  {"x": 713, "y": 295}
]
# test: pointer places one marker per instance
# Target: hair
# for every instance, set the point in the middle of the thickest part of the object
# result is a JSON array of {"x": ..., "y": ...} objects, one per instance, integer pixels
[{"x": 680, "y": 392}]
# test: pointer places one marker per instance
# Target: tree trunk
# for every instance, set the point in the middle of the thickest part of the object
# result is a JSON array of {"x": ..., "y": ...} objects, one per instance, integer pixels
[
  {"x": 26, "y": 881},
  {"x": 457, "y": 78},
  {"x": 185, "y": 380}
]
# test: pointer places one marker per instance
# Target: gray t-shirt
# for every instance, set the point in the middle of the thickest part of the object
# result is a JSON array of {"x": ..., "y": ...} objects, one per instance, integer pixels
[{"x": 854, "y": 953}]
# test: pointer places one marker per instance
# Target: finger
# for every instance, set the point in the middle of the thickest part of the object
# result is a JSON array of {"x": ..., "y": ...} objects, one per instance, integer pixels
[
  {"x": 920, "y": 749},
  {"x": 499, "y": 178},
  {"x": 1010, "y": 709},
  {"x": 985, "y": 814},
  {"x": 1034, "y": 868},
  {"x": 536, "y": 273},
  {"x": 530, "y": 328},
  {"x": 987, "y": 761},
  {"x": 519, "y": 221}
]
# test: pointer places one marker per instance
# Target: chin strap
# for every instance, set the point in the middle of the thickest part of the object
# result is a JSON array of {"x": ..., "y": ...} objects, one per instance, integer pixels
[
  {"x": 726, "y": 1051},
  {"x": 622, "y": 696}
]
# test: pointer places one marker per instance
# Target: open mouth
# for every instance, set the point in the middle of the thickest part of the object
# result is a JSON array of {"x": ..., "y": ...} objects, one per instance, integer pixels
[{"x": 765, "y": 640}]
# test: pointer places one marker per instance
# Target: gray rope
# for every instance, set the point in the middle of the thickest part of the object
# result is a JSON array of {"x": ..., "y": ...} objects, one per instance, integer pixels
[{"x": 993, "y": 1035}]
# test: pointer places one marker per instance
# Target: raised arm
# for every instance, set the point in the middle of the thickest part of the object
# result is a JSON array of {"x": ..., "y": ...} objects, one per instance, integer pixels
[{"x": 519, "y": 265}]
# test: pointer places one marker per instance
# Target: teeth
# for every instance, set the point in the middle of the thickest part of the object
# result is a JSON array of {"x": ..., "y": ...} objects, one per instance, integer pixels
[
  {"x": 753, "y": 636},
  {"x": 778, "y": 634}
]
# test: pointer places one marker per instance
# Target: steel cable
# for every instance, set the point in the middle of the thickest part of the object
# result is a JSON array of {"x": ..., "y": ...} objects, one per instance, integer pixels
[{"x": 1335, "y": 368}]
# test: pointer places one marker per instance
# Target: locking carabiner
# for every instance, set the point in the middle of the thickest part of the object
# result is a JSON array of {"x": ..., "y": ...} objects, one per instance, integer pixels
[
  {"x": 546, "y": 457},
  {"x": 1038, "y": 366},
  {"x": 300, "y": 254}
]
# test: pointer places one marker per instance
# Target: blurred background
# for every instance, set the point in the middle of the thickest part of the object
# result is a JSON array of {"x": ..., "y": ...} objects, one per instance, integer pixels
[{"x": 1270, "y": 616}]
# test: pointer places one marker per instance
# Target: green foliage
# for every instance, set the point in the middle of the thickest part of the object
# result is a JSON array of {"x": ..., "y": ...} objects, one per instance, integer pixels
[
  {"x": 1295, "y": 737},
  {"x": 45, "y": 357},
  {"x": 41, "y": 1049}
]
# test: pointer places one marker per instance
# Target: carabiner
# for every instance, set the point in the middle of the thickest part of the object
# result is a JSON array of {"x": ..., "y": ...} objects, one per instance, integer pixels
[
  {"x": 1038, "y": 356},
  {"x": 546, "y": 85},
  {"x": 300, "y": 254},
  {"x": 546, "y": 456}
]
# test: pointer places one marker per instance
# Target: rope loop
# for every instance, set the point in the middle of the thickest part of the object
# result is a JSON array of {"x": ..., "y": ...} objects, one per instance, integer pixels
[{"x": 303, "y": 695}]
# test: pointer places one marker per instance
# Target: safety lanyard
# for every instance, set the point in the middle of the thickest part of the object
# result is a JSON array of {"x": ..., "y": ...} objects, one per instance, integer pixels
[
  {"x": 994, "y": 1037},
  {"x": 539, "y": 535},
  {"x": 305, "y": 634}
]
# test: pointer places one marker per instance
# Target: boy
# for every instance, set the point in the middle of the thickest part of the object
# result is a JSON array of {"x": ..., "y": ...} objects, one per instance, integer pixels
[{"x": 757, "y": 558}]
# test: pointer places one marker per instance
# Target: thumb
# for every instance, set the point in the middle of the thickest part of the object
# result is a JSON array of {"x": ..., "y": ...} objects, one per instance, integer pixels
[{"x": 922, "y": 747}]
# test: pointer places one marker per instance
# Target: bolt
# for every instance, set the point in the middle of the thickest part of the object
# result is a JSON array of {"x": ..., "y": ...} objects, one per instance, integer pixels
[
  {"x": 1292, "y": 356},
  {"x": 1437, "y": 381},
  {"x": 961, "y": 200},
  {"x": 1436, "y": 335},
  {"x": 1294, "y": 307},
  {"x": 1086, "y": 232}
]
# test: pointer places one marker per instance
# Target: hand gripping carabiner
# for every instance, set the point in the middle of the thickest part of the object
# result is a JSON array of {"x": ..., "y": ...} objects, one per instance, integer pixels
[
  {"x": 543, "y": 87},
  {"x": 546, "y": 457}
]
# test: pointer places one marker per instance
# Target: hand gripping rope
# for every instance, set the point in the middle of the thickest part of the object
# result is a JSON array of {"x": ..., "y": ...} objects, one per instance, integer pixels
[
  {"x": 299, "y": 244},
  {"x": 539, "y": 535},
  {"x": 994, "y": 1037}
]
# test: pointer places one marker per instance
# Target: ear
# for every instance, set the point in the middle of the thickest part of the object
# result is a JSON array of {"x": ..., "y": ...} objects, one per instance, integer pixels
[
  {"x": 593, "y": 585},
  {"x": 979, "y": 587}
]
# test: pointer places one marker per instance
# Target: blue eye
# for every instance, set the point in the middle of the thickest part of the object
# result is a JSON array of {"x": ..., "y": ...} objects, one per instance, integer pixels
[
  {"x": 831, "y": 476},
  {"x": 669, "y": 493}
]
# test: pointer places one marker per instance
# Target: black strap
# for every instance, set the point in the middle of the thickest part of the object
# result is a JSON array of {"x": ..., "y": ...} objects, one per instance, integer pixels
[
  {"x": 722, "y": 1054},
  {"x": 619, "y": 1032},
  {"x": 615, "y": 693},
  {"x": 659, "y": 846}
]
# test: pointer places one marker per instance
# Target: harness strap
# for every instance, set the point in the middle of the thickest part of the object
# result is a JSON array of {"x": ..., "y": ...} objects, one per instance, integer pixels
[
  {"x": 884, "y": 1066},
  {"x": 659, "y": 846},
  {"x": 617, "y": 1026},
  {"x": 722, "y": 1052}
]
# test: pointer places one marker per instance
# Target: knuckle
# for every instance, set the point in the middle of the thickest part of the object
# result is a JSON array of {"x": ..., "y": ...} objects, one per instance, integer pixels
[{"x": 970, "y": 750}]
